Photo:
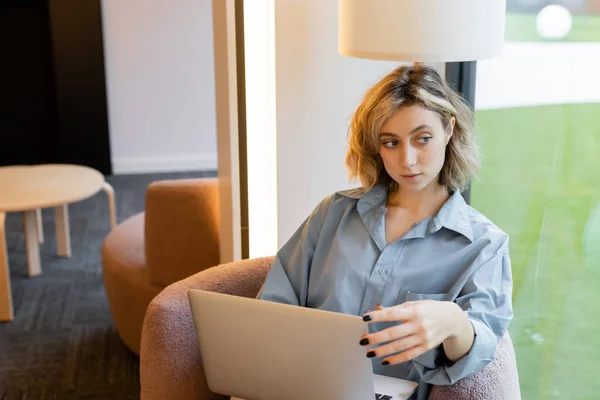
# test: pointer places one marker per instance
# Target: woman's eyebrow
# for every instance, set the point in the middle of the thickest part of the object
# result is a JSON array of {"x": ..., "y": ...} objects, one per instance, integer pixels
[{"x": 417, "y": 129}]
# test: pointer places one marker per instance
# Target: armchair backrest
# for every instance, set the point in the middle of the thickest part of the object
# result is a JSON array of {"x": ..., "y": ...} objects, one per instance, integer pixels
[{"x": 181, "y": 228}]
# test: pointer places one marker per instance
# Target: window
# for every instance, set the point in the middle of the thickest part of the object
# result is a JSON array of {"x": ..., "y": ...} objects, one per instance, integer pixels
[{"x": 538, "y": 117}]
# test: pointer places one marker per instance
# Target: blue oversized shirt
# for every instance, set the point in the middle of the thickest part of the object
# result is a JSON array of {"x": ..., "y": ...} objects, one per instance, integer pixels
[{"x": 338, "y": 261}]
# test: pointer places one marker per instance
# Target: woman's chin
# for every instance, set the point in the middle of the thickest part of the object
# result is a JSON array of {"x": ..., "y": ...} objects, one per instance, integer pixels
[{"x": 413, "y": 185}]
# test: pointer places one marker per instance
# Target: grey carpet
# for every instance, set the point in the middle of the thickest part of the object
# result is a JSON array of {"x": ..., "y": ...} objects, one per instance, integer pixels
[{"x": 62, "y": 343}]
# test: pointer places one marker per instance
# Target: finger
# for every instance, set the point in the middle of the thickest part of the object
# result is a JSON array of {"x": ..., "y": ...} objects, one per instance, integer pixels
[
  {"x": 402, "y": 312},
  {"x": 379, "y": 307},
  {"x": 396, "y": 346},
  {"x": 389, "y": 334},
  {"x": 405, "y": 356}
]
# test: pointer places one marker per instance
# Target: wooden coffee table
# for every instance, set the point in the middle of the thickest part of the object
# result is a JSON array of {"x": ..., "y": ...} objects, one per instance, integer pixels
[{"x": 28, "y": 189}]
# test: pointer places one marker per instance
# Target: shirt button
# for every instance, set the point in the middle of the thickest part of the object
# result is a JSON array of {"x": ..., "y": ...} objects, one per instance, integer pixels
[{"x": 381, "y": 271}]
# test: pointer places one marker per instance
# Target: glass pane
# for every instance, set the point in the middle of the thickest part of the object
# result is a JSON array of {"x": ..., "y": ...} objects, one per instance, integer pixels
[{"x": 538, "y": 117}]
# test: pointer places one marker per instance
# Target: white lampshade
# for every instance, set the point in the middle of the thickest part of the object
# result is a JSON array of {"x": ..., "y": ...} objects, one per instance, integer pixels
[{"x": 421, "y": 30}]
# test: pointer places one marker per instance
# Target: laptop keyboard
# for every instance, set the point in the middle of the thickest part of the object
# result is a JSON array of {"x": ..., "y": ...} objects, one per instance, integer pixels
[{"x": 379, "y": 396}]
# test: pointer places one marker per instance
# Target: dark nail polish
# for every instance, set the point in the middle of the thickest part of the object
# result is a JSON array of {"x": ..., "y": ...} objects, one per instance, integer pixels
[
  {"x": 386, "y": 362},
  {"x": 371, "y": 354},
  {"x": 367, "y": 318},
  {"x": 364, "y": 342}
]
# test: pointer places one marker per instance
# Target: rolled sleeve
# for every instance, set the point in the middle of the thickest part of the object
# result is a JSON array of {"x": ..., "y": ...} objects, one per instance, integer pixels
[
  {"x": 278, "y": 286},
  {"x": 486, "y": 302},
  {"x": 287, "y": 280}
]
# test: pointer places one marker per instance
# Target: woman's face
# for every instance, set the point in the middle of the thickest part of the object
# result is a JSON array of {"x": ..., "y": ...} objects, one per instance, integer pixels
[{"x": 412, "y": 144}]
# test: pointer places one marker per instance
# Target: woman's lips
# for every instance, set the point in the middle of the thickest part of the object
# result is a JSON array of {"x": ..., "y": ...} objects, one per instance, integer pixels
[{"x": 411, "y": 177}]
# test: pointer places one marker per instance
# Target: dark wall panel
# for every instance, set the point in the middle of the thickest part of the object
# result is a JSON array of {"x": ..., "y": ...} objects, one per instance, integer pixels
[
  {"x": 53, "y": 92},
  {"x": 76, "y": 27},
  {"x": 28, "y": 112}
]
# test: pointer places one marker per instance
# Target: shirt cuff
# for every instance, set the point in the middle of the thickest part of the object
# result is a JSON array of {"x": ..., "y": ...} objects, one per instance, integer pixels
[
  {"x": 482, "y": 352},
  {"x": 435, "y": 368}
]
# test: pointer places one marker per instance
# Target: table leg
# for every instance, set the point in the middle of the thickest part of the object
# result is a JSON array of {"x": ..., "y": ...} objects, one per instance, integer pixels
[
  {"x": 63, "y": 231},
  {"x": 110, "y": 192},
  {"x": 6, "y": 307},
  {"x": 32, "y": 243},
  {"x": 40, "y": 226}
]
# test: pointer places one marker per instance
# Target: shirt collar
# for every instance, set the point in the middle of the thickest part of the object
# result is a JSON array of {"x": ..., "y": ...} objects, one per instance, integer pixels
[
  {"x": 453, "y": 215},
  {"x": 368, "y": 200}
]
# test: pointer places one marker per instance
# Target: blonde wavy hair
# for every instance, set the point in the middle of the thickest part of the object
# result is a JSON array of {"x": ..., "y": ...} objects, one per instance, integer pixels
[{"x": 404, "y": 87}]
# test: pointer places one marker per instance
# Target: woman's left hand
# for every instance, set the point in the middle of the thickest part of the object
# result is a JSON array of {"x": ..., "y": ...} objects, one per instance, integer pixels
[{"x": 425, "y": 325}]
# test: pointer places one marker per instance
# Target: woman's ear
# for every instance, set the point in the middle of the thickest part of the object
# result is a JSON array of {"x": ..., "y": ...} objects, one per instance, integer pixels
[{"x": 451, "y": 132}]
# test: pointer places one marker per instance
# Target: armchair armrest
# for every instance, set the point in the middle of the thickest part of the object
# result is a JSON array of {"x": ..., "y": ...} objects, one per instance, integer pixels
[
  {"x": 181, "y": 228},
  {"x": 170, "y": 362},
  {"x": 499, "y": 380}
]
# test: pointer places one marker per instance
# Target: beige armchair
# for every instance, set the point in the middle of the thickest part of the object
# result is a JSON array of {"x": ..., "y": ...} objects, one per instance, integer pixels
[
  {"x": 176, "y": 236},
  {"x": 171, "y": 364}
]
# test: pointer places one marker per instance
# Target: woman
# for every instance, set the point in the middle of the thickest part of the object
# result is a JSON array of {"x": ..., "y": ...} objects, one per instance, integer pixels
[{"x": 429, "y": 274}]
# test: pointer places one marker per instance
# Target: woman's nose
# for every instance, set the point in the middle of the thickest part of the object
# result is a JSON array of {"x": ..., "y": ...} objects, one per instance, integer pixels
[{"x": 409, "y": 156}]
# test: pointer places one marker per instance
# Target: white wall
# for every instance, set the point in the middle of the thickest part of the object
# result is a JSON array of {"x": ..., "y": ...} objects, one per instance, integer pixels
[
  {"x": 160, "y": 85},
  {"x": 317, "y": 90}
]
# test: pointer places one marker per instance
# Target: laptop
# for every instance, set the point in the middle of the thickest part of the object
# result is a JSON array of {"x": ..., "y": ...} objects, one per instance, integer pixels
[{"x": 261, "y": 350}]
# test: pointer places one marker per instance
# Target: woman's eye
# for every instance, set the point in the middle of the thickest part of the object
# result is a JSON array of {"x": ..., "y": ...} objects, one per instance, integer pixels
[
  {"x": 424, "y": 139},
  {"x": 391, "y": 144}
]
